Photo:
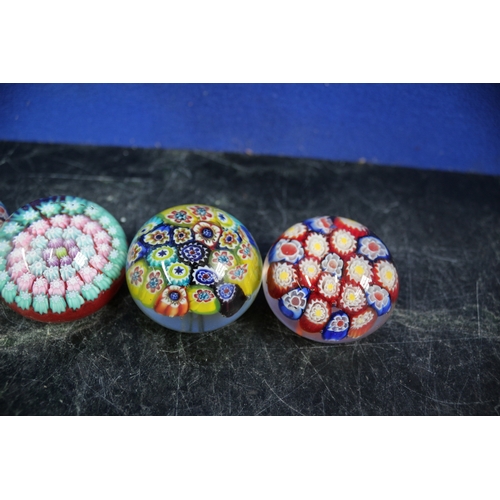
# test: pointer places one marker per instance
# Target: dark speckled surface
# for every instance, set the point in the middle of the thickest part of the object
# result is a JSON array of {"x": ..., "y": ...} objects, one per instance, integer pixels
[{"x": 439, "y": 353}]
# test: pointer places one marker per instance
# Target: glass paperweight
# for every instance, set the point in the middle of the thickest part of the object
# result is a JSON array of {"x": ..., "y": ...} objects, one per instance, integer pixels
[
  {"x": 3, "y": 214},
  {"x": 193, "y": 268},
  {"x": 331, "y": 280},
  {"x": 61, "y": 259}
]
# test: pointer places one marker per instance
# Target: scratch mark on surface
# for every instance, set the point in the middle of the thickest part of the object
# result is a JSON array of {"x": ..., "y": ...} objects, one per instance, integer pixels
[
  {"x": 477, "y": 306},
  {"x": 440, "y": 401},
  {"x": 281, "y": 210},
  {"x": 440, "y": 257},
  {"x": 282, "y": 400},
  {"x": 318, "y": 374},
  {"x": 92, "y": 178},
  {"x": 382, "y": 363},
  {"x": 222, "y": 161},
  {"x": 181, "y": 348},
  {"x": 462, "y": 390}
]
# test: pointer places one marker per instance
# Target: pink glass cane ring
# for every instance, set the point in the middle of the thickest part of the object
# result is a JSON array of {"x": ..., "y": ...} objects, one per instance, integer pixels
[
  {"x": 331, "y": 280},
  {"x": 61, "y": 259}
]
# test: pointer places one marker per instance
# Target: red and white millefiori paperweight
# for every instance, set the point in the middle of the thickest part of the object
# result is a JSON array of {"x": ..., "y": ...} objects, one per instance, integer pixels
[{"x": 331, "y": 280}]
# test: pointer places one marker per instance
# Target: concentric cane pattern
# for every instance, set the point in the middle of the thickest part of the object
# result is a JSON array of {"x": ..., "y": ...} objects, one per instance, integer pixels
[
  {"x": 61, "y": 258},
  {"x": 193, "y": 259},
  {"x": 330, "y": 279}
]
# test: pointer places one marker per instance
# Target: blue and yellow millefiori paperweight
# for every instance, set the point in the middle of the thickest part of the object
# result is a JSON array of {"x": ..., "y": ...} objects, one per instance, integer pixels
[{"x": 193, "y": 268}]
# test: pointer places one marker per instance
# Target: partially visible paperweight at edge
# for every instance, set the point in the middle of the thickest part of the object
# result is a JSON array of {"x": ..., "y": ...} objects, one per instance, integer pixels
[{"x": 61, "y": 259}]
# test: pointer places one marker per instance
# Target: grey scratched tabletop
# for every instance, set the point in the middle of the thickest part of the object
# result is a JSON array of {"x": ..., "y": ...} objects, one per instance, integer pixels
[{"x": 438, "y": 354}]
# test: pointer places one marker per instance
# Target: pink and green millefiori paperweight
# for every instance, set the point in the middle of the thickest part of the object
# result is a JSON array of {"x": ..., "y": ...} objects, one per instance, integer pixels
[{"x": 61, "y": 258}]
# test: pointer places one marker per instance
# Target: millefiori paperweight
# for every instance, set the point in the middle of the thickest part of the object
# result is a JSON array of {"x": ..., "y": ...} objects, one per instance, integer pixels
[
  {"x": 61, "y": 258},
  {"x": 331, "y": 280},
  {"x": 193, "y": 268}
]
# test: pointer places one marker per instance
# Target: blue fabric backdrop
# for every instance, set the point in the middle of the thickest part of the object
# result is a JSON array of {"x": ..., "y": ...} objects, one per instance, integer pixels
[{"x": 448, "y": 127}]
